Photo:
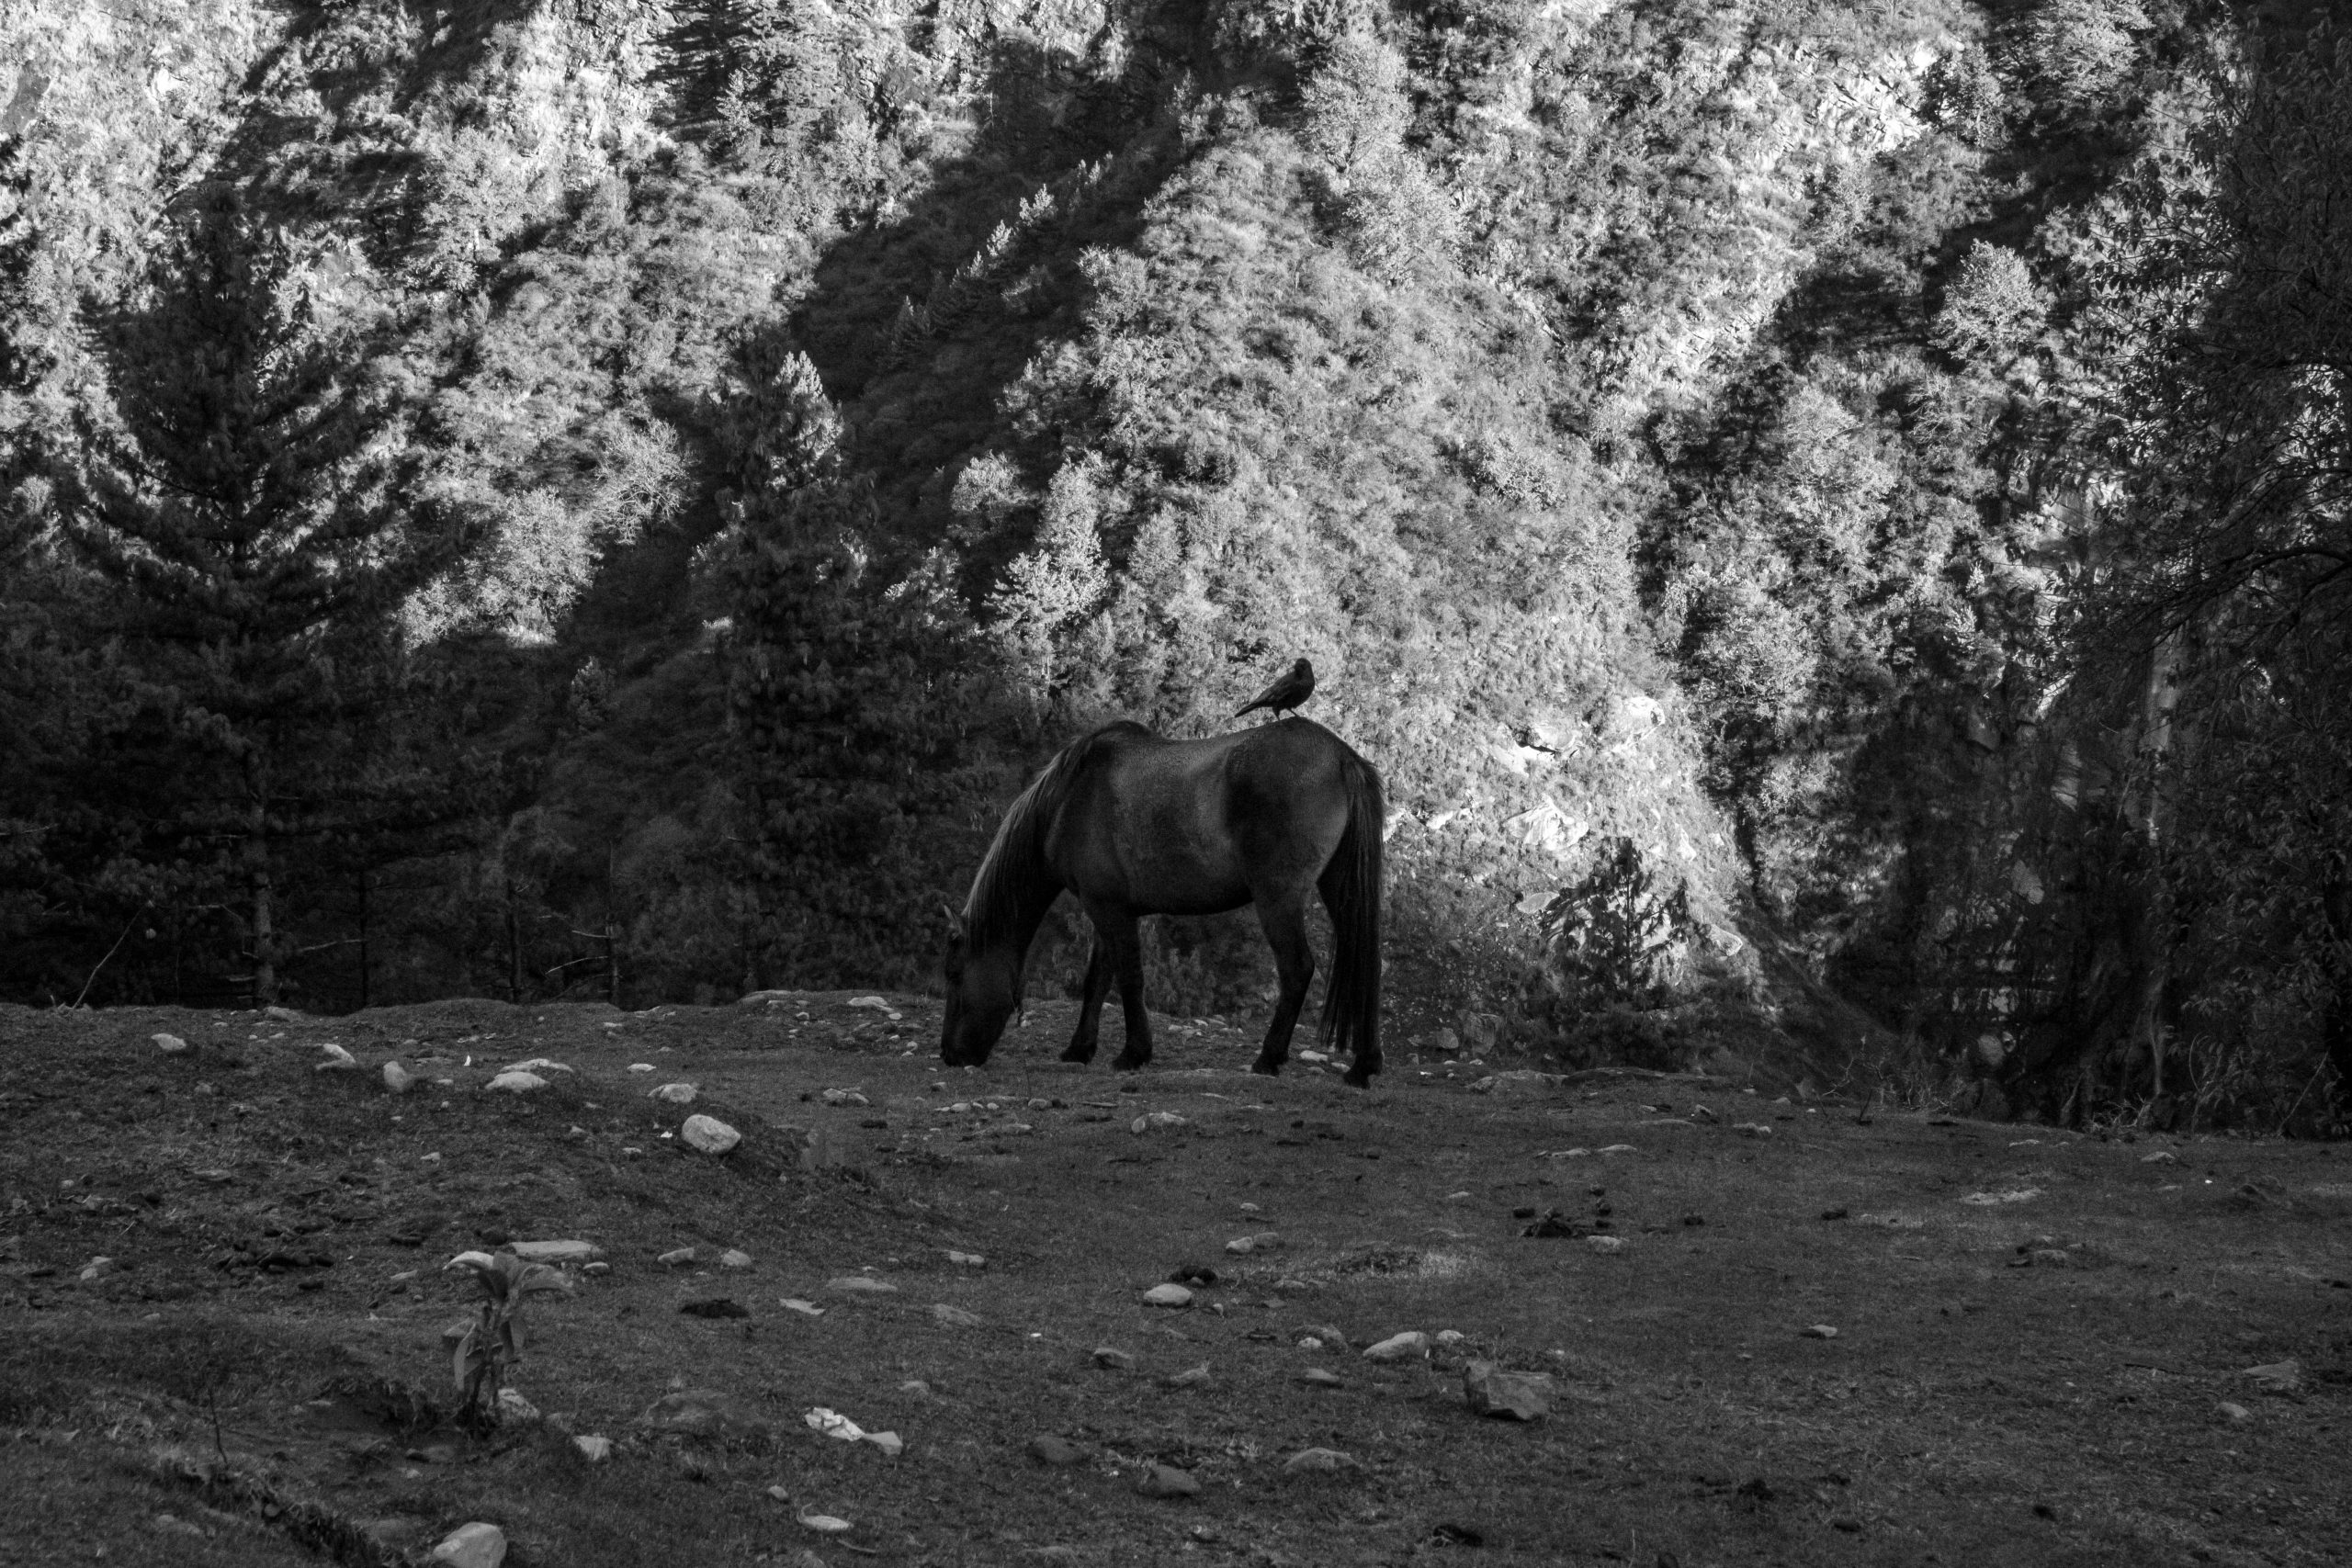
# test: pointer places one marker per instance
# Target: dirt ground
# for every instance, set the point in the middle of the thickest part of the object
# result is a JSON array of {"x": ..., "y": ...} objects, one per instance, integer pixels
[{"x": 2042, "y": 1351}]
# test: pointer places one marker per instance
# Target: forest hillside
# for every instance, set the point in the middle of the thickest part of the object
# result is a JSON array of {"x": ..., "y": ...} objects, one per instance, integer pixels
[{"x": 1829, "y": 516}]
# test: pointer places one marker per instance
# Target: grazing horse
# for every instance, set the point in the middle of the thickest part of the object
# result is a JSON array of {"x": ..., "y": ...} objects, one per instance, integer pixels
[{"x": 1135, "y": 825}]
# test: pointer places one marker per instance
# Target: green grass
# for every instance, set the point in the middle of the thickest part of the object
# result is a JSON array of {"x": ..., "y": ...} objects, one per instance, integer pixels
[{"x": 1967, "y": 1411}]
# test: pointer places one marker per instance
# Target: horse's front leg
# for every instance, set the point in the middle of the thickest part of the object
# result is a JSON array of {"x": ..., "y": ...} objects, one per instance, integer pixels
[
  {"x": 1116, "y": 929},
  {"x": 1099, "y": 970},
  {"x": 1284, "y": 922}
]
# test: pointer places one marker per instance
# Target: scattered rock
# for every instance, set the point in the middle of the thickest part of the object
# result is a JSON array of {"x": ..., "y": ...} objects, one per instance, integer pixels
[
  {"x": 338, "y": 1059},
  {"x": 1752, "y": 1129},
  {"x": 169, "y": 1044},
  {"x": 1516, "y": 1396},
  {"x": 1605, "y": 1243},
  {"x": 954, "y": 1317},
  {"x": 1411, "y": 1345},
  {"x": 1060, "y": 1452},
  {"x": 595, "y": 1268},
  {"x": 1318, "y": 1461},
  {"x": 1329, "y": 1334},
  {"x": 824, "y": 1524},
  {"x": 1264, "y": 1241},
  {"x": 805, "y": 1309},
  {"x": 1317, "y": 1377},
  {"x": 1191, "y": 1376},
  {"x": 672, "y": 1093},
  {"x": 555, "y": 1251},
  {"x": 2234, "y": 1412},
  {"x": 517, "y": 1083},
  {"x": 714, "y": 1306},
  {"x": 1168, "y": 1296},
  {"x": 709, "y": 1134},
  {"x": 594, "y": 1447},
  {"x": 1117, "y": 1359},
  {"x": 1991, "y": 1200},
  {"x": 844, "y": 1096},
  {"x": 1818, "y": 1331},
  {"x": 1156, "y": 1118},
  {"x": 861, "y": 1285},
  {"x": 536, "y": 1065},
  {"x": 734, "y": 1258},
  {"x": 513, "y": 1407},
  {"x": 475, "y": 1545},
  {"x": 966, "y": 1259},
  {"x": 2162, "y": 1157},
  {"x": 1166, "y": 1481},
  {"x": 677, "y": 1258},
  {"x": 2050, "y": 1257},
  {"x": 877, "y": 1003},
  {"x": 641, "y": 1066}
]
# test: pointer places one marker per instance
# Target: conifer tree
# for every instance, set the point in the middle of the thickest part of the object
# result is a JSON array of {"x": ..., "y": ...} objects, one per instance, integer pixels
[{"x": 245, "y": 497}]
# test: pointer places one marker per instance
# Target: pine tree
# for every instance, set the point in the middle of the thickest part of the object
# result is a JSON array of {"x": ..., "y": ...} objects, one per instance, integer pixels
[{"x": 245, "y": 502}]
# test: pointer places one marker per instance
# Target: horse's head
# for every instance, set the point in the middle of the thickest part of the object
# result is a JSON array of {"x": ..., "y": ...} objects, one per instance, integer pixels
[{"x": 983, "y": 989}]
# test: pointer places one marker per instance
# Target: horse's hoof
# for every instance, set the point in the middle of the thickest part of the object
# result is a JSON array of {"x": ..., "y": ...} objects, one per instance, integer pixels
[
  {"x": 1081, "y": 1058},
  {"x": 1265, "y": 1068},
  {"x": 1357, "y": 1077}
]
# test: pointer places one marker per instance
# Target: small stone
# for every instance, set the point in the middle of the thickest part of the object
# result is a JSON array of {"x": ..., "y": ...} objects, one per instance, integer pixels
[
  {"x": 2278, "y": 1377},
  {"x": 594, "y": 1447},
  {"x": 709, "y": 1134},
  {"x": 2234, "y": 1412},
  {"x": 889, "y": 1443},
  {"x": 169, "y": 1044},
  {"x": 1113, "y": 1358},
  {"x": 1451, "y": 1336},
  {"x": 673, "y": 1094},
  {"x": 597, "y": 1269},
  {"x": 1266, "y": 1241},
  {"x": 1329, "y": 1334},
  {"x": 861, "y": 1285},
  {"x": 641, "y": 1066},
  {"x": 843, "y": 1096},
  {"x": 97, "y": 1267},
  {"x": 2162, "y": 1157},
  {"x": 1516, "y": 1396},
  {"x": 1819, "y": 1331},
  {"x": 1752, "y": 1129},
  {"x": 1293, "y": 1287},
  {"x": 555, "y": 1251},
  {"x": 472, "y": 1546},
  {"x": 967, "y": 1259},
  {"x": 1605, "y": 1243},
  {"x": 1318, "y": 1461},
  {"x": 954, "y": 1317},
  {"x": 1045, "y": 1448},
  {"x": 517, "y": 1083},
  {"x": 513, "y": 1407},
  {"x": 2050, "y": 1257},
  {"x": 1166, "y": 1481},
  {"x": 1411, "y": 1345},
  {"x": 338, "y": 1059},
  {"x": 805, "y": 1308},
  {"x": 734, "y": 1258},
  {"x": 1317, "y": 1377},
  {"x": 1168, "y": 1296},
  {"x": 1191, "y": 1376},
  {"x": 678, "y": 1257}
]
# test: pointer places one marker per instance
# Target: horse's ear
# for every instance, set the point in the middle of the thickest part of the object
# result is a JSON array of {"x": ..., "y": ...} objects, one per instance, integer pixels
[{"x": 955, "y": 920}]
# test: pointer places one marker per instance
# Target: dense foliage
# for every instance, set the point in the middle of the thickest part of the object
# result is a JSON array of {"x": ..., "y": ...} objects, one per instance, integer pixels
[{"x": 1801, "y": 500}]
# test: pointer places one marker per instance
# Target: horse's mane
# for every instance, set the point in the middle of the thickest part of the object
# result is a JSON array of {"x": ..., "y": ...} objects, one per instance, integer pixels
[{"x": 1007, "y": 878}]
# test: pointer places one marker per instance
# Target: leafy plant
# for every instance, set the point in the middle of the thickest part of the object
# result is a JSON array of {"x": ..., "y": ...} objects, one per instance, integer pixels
[
  {"x": 1611, "y": 938},
  {"x": 493, "y": 1343}
]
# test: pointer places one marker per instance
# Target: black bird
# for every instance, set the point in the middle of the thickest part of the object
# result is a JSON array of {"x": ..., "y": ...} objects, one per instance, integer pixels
[{"x": 1287, "y": 693}]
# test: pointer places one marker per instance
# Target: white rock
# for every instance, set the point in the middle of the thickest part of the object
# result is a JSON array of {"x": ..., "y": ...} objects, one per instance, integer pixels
[
  {"x": 677, "y": 1258},
  {"x": 97, "y": 1267},
  {"x": 861, "y": 1285},
  {"x": 397, "y": 1079},
  {"x": 709, "y": 1134},
  {"x": 673, "y": 1094},
  {"x": 536, "y": 1065},
  {"x": 594, "y": 1447},
  {"x": 843, "y": 1096},
  {"x": 472, "y": 1546},
  {"x": 967, "y": 1259},
  {"x": 555, "y": 1251},
  {"x": 1410, "y": 1345},
  {"x": 1605, "y": 1243},
  {"x": 1451, "y": 1336},
  {"x": 1819, "y": 1331},
  {"x": 169, "y": 1044},
  {"x": 513, "y": 1407},
  {"x": 2234, "y": 1412},
  {"x": 734, "y": 1258},
  {"x": 824, "y": 1524},
  {"x": 807, "y": 1309},
  {"x": 641, "y": 1066},
  {"x": 1168, "y": 1296},
  {"x": 1309, "y": 1461},
  {"x": 518, "y": 1083},
  {"x": 338, "y": 1059}
]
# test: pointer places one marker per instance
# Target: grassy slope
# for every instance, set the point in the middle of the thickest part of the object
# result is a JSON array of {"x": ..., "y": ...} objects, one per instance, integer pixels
[{"x": 1968, "y": 1407}]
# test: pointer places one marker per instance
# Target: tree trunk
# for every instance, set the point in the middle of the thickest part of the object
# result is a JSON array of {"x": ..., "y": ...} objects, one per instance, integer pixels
[
  {"x": 363, "y": 939},
  {"x": 257, "y": 882},
  {"x": 2335, "y": 1010},
  {"x": 514, "y": 948}
]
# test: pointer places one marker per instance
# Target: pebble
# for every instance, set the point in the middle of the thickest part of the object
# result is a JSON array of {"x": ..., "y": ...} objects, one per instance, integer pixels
[
  {"x": 169, "y": 1044},
  {"x": 641, "y": 1066},
  {"x": 2162, "y": 1157},
  {"x": 1191, "y": 1376},
  {"x": 97, "y": 1267},
  {"x": 513, "y": 1407},
  {"x": 954, "y": 1317},
  {"x": 1516, "y": 1396},
  {"x": 1752, "y": 1129},
  {"x": 1318, "y": 1461},
  {"x": 1819, "y": 1331},
  {"x": 844, "y": 1096},
  {"x": 2234, "y": 1412},
  {"x": 595, "y": 1447},
  {"x": 338, "y": 1059},
  {"x": 861, "y": 1285},
  {"x": 1451, "y": 1336},
  {"x": 1115, "y": 1359},
  {"x": 1410, "y": 1345},
  {"x": 1060, "y": 1452},
  {"x": 517, "y": 1083},
  {"x": 1329, "y": 1334},
  {"x": 475, "y": 1545},
  {"x": 555, "y": 1251},
  {"x": 677, "y": 1258},
  {"x": 1168, "y": 1296},
  {"x": 1156, "y": 1118},
  {"x": 967, "y": 1260},
  {"x": 1266, "y": 1241},
  {"x": 709, "y": 1134},
  {"x": 598, "y": 1269},
  {"x": 1605, "y": 1243},
  {"x": 1316, "y": 1377},
  {"x": 805, "y": 1309},
  {"x": 1166, "y": 1481},
  {"x": 673, "y": 1094},
  {"x": 734, "y": 1258}
]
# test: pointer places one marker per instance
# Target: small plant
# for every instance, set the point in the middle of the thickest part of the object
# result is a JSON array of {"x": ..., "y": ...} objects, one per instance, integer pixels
[
  {"x": 495, "y": 1342},
  {"x": 1611, "y": 939}
]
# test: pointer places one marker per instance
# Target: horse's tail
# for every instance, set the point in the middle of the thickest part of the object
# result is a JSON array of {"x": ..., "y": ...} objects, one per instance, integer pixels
[{"x": 1351, "y": 886}]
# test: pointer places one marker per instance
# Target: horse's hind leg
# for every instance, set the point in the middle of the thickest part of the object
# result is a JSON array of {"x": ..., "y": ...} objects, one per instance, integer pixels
[
  {"x": 1115, "y": 928},
  {"x": 1284, "y": 923},
  {"x": 1099, "y": 970}
]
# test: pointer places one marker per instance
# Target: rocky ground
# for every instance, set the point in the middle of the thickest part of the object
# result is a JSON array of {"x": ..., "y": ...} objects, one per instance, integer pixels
[{"x": 1079, "y": 1317}]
